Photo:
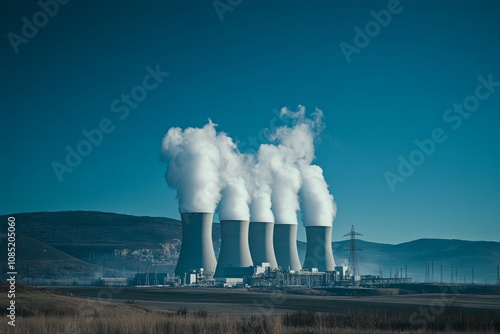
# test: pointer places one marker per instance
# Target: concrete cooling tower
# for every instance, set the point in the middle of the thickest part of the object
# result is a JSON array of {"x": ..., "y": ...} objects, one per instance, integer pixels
[
  {"x": 197, "y": 250},
  {"x": 260, "y": 239},
  {"x": 319, "y": 252},
  {"x": 234, "y": 248},
  {"x": 285, "y": 246}
]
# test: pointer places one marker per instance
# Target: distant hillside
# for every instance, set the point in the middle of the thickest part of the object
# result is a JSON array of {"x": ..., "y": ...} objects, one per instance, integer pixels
[
  {"x": 113, "y": 242},
  {"x": 124, "y": 244},
  {"x": 374, "y": 258},
  {"x": 38, "y": 263},
  {"x": 463, "y": 255},
  {"x": 92, "y": 227}
]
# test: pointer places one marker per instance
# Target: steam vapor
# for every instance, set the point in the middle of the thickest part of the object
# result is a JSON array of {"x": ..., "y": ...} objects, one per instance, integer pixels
[
  {"x": 208, "y": 172},
  {"x": 233, "y": 176},
  {"x": 194, "y": 167},
  {"x": 259, "y": 184}
]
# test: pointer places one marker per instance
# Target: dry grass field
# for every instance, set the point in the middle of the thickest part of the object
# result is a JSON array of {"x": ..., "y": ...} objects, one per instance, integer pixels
[{"x": 47, "y": 311}]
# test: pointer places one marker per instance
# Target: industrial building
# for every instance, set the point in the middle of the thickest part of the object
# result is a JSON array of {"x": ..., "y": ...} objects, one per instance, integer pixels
[
  {"x": 260, "y": 238},
  {"x": 285, "y": 246},
  {"x": 244, "y": 244},
  {"x": 319, "y": 253},
  {"x": 197, "y": 250},
  {"x": 258, "y": 254},
  {"x": 234, "y": 249}
]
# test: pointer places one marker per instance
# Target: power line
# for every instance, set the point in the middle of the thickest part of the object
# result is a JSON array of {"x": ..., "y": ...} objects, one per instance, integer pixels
[{"x": 353, "y": 258}]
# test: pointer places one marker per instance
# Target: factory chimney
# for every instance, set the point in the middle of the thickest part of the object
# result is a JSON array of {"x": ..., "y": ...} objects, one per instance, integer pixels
[
  {"x": 197, "y": 250},
  {"x": 261, "y": 243},
  {"x": 285, "y": 246},
  {"x": 319, "y": 252},
  {"x": 234, "y": 249}
]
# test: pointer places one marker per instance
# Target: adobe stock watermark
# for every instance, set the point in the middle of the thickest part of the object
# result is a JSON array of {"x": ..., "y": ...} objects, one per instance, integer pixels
[
  {"x": 454, "y": 118},
  {"x": 222, "y": 6},
  {"x": 372, "y": 29},
  {"x": 30, "y": 28},
  {"x": 121, "y": 107}
]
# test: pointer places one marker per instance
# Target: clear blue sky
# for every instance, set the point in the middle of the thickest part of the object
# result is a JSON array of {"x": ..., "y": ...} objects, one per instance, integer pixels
[{"x": 261, "y": 56}]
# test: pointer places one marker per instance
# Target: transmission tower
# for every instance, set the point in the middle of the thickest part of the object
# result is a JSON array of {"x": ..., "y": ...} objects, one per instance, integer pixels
[{"x": 353, "y": 258}]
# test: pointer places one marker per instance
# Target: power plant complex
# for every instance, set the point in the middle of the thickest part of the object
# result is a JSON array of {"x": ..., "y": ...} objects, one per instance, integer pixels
[
  {"x": 247, "y": 247},
  {"x": 263, "y": 254},
  {"x": 258, "y": 197}
]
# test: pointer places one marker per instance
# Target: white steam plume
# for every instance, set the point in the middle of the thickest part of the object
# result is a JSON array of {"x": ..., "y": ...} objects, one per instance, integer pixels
[
  {"x": 233, "y": 173},
  {"x": 193, "y": 169},
  {"x": 259, "y": 185},
  {"x": 205, "y": 166},
  {"x": 290, "y": 162},
  {"x": 285, "y": 184},
  {"x": 318, "y": 207},
  {"x": 207, "y": 169}
]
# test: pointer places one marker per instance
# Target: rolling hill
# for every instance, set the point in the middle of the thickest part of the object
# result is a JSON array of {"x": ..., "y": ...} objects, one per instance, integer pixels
[
  {"x": 39, "y": 264},
  {"x": 115, "y": 244},
  {"x": 462, "y": 255}
]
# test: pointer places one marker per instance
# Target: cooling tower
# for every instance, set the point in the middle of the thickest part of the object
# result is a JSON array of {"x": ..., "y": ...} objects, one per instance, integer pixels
[
  {"x": 285, "y": 246},
  {"x": 319, "y": 252},
  {"x": 197, "y": 250},
  {"x": 234, "y": 249},
  {"x": 260, "y": 238}
]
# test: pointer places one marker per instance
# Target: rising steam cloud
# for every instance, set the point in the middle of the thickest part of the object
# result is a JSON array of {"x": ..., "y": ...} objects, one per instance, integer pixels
[
  {"x": 194, "y": 165},
  {"x": 207, "y": 170},
  {"x": 259, "y": 184},
  {"x": 317, "y": 204},
  {"x": 233, "y": 176},
  {"x": 285, "y": 181},
  {"x": 318, "y": 207}
]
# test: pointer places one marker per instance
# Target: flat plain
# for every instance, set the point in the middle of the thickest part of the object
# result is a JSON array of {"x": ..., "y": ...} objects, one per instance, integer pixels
[
  {"x": 243, "y": 301},
  {"x": 183, "y": 310}
]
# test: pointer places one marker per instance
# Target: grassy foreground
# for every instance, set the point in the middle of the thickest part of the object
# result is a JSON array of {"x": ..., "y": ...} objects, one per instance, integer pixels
[{"x": 45, "y": 311}]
